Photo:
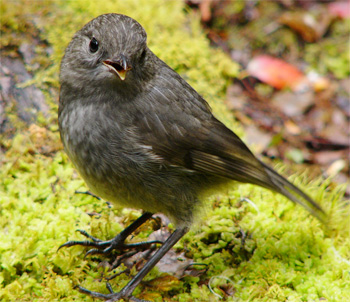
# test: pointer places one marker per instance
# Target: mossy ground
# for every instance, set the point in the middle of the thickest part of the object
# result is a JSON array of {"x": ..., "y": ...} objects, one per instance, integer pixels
[{"x": 273, "y": 251}]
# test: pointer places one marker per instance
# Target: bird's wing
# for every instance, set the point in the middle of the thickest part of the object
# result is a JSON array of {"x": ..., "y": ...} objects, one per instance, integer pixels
[{"x": 186, "y": 134}]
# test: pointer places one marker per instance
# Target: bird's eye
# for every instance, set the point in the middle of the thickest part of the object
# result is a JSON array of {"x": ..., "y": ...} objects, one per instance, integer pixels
[{"x": 93, "y": 45}]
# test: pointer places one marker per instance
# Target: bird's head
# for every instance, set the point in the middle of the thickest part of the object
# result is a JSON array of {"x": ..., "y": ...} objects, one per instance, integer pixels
[{"x": 107, "y": 48}]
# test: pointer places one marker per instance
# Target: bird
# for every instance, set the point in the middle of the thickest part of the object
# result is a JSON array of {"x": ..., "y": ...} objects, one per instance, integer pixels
[{"x": 141, "y": 137}]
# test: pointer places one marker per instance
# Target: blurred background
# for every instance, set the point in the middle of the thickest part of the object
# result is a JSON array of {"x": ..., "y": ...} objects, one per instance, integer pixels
[{"x": 293, "y": 92}]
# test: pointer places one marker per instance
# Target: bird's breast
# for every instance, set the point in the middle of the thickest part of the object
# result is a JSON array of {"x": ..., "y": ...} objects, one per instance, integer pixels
[{"x": 103, "y": 145}]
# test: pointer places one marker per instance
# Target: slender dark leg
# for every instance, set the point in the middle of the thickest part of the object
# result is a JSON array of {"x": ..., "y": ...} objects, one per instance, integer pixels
[
  {"x": 129, "y": 288},
  {"x": 105, "y": 247}
]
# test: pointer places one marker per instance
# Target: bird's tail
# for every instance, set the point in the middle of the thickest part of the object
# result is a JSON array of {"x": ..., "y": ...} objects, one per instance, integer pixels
[{"x": 284, "y": 187}]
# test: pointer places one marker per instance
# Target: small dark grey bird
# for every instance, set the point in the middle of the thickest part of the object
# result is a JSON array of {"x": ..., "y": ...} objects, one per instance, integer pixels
[{"x": 141, "y": 137}]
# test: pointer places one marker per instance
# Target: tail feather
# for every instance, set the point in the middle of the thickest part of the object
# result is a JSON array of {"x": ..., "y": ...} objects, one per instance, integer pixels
[{"x": 284, "y": 187}]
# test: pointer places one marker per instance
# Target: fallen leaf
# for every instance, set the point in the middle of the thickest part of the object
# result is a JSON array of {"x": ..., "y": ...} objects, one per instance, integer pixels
[
  {"x": 306, "y": 25},
  {"x": 276, "y": 72}
]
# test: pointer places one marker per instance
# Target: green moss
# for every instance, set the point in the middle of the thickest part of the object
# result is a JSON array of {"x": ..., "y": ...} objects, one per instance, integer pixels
[{"x": 272, "y": 251}]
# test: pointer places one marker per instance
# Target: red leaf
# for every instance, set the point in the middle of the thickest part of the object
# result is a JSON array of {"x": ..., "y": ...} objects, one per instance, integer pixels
[{"x": 275, "y": 72}]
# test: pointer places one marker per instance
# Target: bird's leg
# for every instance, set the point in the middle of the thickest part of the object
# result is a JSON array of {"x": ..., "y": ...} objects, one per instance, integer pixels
[
  {"x": 126, "y": 292},
  {"x": 106, "y": 247}
]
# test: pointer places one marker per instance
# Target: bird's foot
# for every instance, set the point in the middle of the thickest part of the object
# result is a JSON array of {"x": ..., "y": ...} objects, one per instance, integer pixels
[
  {"x": 112, "y": 296},
  {"x": 116, "y": 246},
  {"x": 108, "y": 246},
  {"x": 126, "y": 292}
]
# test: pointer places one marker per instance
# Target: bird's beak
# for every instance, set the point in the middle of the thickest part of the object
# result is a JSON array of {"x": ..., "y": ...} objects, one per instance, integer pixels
[{"x": 119, "y": 66}]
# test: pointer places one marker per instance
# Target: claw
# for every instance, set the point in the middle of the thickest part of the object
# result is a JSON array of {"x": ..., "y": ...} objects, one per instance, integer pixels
[
  {"x": 72, "y": 243},
  {"x": 94, "y": 252},
  {"x": 87, "y": 235}
]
